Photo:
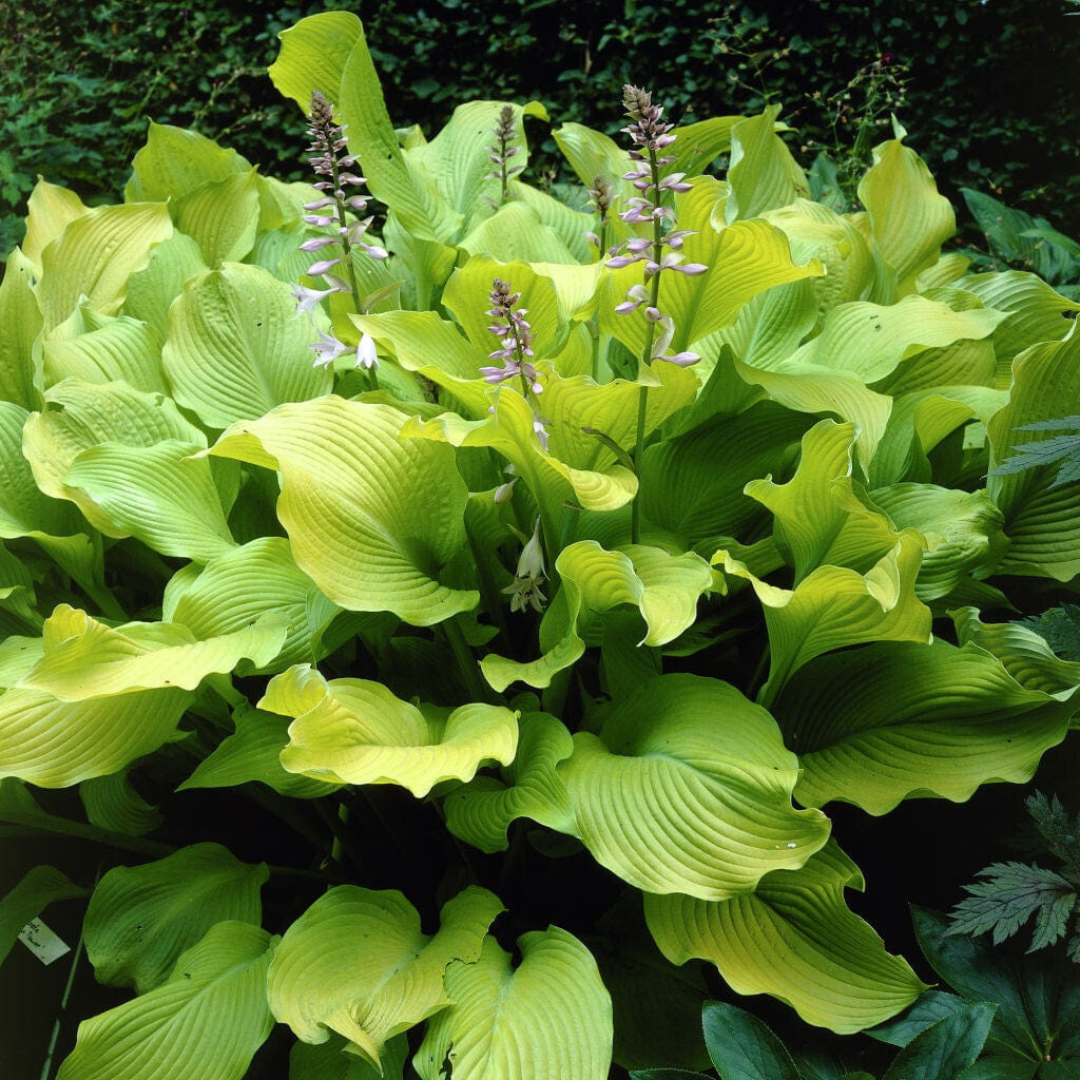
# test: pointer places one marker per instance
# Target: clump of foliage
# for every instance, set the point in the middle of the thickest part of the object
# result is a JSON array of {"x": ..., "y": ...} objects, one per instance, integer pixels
[
  {"x": 542, "y": 573},
  {"x": 1013, "y": 893}
]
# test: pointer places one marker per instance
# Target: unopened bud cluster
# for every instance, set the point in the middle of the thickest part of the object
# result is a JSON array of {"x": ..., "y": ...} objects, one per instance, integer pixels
[
  {"x": 503, "y": 150},
  {"x": 661, "y": 251},
  {"x": 516, "y": 351},
  {"x": 338, "y": 197}
]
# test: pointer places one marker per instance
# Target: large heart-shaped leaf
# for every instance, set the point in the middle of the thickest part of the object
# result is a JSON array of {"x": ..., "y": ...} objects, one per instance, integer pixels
[
  {"x": 909, "y": 219},
  {"x": 835, "y": 607},
  {"x": 95, "y": 256},
  {"x": 253, "y": 752},
  {"x": 1042, "y": 521},
  {"x": 552, "y": 1012},
  {"x": 352, "y": 731},
  {"x": 207, "y": 1021},
  {"x": 86, "y": 659},
  {"x": 373, "y": 520},
  {"x": 481, "y": 811},
  {"x": 141, "y": 918},
  {"x": 21, "y": 379},
  {"x": 688, "y": 789},
  {"x": 107, "y": 349},
  {"x": 820, "y": 516},
  {"x": 898, "y": 719},
  {"x": 245, "y": 583},
  {"x": 356, "y": 962},
  {"x": 236, "y": 348},
  {"x": 793, "y": 937}
]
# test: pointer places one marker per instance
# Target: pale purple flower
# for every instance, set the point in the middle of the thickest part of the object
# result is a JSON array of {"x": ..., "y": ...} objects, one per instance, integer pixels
[
  {"x": 308, "y": 299},
  {"x": 327, "y": 349},
  {"x": 333, "y": 165}
]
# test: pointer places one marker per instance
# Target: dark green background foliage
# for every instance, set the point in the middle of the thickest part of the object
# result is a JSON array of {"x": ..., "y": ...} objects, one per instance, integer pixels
[{"x": 987, "y": 90}]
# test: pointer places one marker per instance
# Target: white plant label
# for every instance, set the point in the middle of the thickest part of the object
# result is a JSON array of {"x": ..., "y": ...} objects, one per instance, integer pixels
[{"x": 42, "y": 942}]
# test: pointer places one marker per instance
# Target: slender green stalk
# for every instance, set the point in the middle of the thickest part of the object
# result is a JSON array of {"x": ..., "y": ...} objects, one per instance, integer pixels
[
  {"x": 46, "y": 1068},
  {"x": 40, "y": 827},
  {"x": 477, "y": 688}
]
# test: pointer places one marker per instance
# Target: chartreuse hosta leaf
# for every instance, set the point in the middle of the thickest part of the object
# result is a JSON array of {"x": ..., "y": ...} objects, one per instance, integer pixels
[
  {"x": 481, "y": 811},
  {"x": 223, "y": 216},
  {"x": 51, "y": 208},
  {"x": 205, "y": 1023},
  {"x": 1025, "y": 654},
  {"x": 165, "y": 495},
  {"x": 665, "y": 588},
  {"x": 820, "y": 516},
  {"x": 21, "y": 379},
  {"x": 176, "y": 161},
  {"x": 762, "y": 173},
  {"x": 52, "y": 743},
  {"x": 870, "y": 340},
  {"x": 744, "y": 259},
  {"x": 152, "y": 290},
  {"x": 374, "y": 520},
  {"x": 97, "y": 698},
  {"x": 236, "y": 349},
  {"x": 24, "y": 509},
  {"x": 920, "y": 421},
  {"x": 328, "y": 52},
  {"x": 815, "y": 231},
  {"x": 141, "y": 918},
  {"x": 112, "y": 803},
  {"x": 80, "y": 415},
  {"x": 106, "y": 349},
  {"x": 897, "y": 720},
  {"x": 684, "y": 492},
  {"x": 1035, "y": 312},
  {"x": 83, "y": 658},
  {"x": 794, "y": 938},
  {"x": 516, "y": 231},
  {"x": 245, "y": 583},
  {"x": 356, "y": 962},
  {"x": 811, "y": 388},
  {"x": 553, "y": 1013},
  {"x": 834, "y": 607},
  {"x": 577, "y": 466},
  {"x": 457, "y": 162},
  {"x": 688, "y": 789},
  {"x": 352, "y": 731},
  {"x": 962, "y": 530},
  {"x": 27, "y": 899},
  {"x": 253, "y": 752},
  {"x": 909, "y": 219},
  {"x": 96, "y": 254},
  {"x": 1042, "y": 522}
]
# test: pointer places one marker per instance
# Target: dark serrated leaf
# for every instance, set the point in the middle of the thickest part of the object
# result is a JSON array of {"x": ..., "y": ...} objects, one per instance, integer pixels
[
  {"x": 1060, "y": 628},
  {"x": 1061, "y": 450},
  {"x": 1009, "y": 896},
  {"x": 1060, "y": 830}
]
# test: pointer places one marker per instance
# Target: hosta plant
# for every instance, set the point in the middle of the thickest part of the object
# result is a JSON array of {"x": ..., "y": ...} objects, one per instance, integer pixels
[{"x": 531, "y": 574}]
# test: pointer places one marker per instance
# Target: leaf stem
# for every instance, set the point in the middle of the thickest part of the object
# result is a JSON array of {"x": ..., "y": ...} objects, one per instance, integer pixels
[{"x": 477, "y": 688}]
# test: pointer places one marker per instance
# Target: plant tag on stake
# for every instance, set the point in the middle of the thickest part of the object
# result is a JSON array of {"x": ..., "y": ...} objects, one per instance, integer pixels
[{"x": 42, "y": 942}]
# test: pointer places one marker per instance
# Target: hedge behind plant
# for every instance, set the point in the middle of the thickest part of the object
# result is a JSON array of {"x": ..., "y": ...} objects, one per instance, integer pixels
[{"x": 989, "y": 85}]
